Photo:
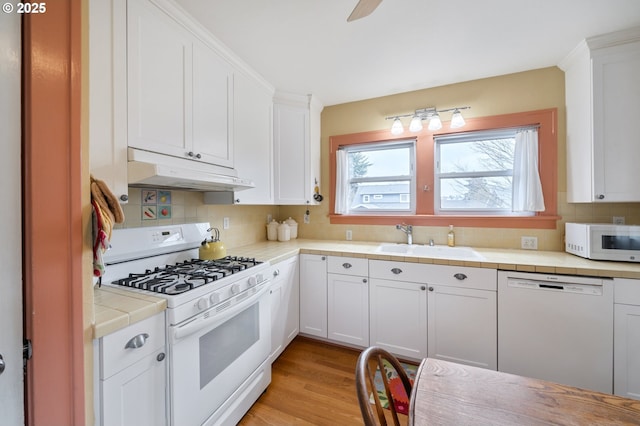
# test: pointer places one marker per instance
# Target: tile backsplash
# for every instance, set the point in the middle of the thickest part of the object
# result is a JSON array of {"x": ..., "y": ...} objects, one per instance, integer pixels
[{"x": 247, "y": 224}]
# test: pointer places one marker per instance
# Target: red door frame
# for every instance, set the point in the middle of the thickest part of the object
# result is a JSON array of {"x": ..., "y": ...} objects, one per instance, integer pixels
[{"x": 53, "y": 214}]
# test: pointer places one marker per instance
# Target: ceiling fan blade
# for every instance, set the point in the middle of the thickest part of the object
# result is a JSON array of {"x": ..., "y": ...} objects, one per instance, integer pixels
[{"x": 363, "y": 8}]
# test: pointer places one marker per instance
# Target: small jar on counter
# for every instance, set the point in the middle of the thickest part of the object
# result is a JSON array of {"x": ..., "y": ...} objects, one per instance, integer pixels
[
  {"x": 284, "y": 232},
  {"x": 293, "y": 227},
  {"x": 272, "y": 231}
]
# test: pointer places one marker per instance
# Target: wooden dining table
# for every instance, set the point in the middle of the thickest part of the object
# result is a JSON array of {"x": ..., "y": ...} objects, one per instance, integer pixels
[{"x": 447, "y": 393}]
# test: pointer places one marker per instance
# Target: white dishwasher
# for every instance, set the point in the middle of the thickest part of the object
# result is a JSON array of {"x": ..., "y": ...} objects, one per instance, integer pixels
[{"x": 557, "y": 328}]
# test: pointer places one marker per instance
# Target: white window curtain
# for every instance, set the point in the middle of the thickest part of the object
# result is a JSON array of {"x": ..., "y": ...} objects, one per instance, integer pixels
[
  {"x": 342, "y": 182},
  {"x": 527, "y": 189}
]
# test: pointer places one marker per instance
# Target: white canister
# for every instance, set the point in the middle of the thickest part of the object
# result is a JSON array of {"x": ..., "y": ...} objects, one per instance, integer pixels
[
  {"x": 272, "y": 231},
  {"x": 293, "y": 226},
  {"x": 284, "y": 232}
]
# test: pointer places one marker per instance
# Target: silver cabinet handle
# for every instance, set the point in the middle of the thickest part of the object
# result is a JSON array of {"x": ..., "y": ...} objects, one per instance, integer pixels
[
  {"x": 423, "y": 288},
  {"x": 137, "y": 341},
  {"x": 346, "y": 265},
  {"x": 430, "y": 288},
  {"x": 396, "y": 271},
  {"x": 460, "y": 276},
  {"x": 323, "y": 257},
  {"x": 364, "y": 280},
  {"x": 276, "y": 272},
  {"x": 124, "y": 197},
  {"x": 600, "y": 196},
  {"x": 2, "y": 365}
]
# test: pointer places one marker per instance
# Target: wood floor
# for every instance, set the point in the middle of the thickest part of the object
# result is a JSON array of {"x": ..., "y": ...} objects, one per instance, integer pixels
[{"x": 312, "y": 383}]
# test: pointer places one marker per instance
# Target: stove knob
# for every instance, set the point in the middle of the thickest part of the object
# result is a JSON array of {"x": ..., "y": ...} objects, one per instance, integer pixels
[
  {"x": 214, "y": 298},
  {"x": 252, "y": 281},
  {"x": 235, "y": 289},
  {"x": 203, "y": 303}
]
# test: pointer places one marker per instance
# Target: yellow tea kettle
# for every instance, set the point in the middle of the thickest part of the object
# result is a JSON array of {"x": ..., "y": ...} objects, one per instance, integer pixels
[{"x": 212, "y": 249}]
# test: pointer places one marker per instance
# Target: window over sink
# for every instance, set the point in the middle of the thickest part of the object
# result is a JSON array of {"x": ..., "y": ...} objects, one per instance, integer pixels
[{"x": 462, "y": 176}]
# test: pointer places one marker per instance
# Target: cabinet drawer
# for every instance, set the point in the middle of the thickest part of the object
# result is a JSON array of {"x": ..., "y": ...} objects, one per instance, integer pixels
[
  {"x": 626, "y": 291},
  {"x": 348, "y": 266},
  {"x": 399, "y": 271},
  {"x": 113, "y": 351},
  {"x": 463, "y": 276}
]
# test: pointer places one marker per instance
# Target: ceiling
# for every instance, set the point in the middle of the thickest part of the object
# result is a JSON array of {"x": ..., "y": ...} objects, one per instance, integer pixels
[{"x": 307, "y": 46}]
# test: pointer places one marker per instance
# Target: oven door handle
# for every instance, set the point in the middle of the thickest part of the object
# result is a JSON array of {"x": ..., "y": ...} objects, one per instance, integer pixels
[{"x": 213, "y": 318}]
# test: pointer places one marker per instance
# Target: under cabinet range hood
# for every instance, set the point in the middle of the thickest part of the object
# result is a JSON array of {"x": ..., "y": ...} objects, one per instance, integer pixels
[
  {"x": 177, "y": 177},
  {"x": 150, "y": 169}
]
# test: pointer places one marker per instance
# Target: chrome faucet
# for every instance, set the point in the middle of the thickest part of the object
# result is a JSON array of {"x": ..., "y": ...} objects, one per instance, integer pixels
[
  {"x": 407, "y": 229},
  {"x": 431, "y": 242}
]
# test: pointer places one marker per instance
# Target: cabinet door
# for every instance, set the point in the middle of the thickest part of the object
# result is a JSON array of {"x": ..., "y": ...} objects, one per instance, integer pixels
[
  {"x": 108, "y": 99},
  {"x": 313, "y": 295},
  {"x": 626, "y": 381},
  {"x": 159, "y": 80},
  {"x": 285, "y": 307},
  {"x": 398, "y": 317},
  {"x": 136, "y": 396},
  {"x": 291, "y": 142},
  {"x": 616, "y": 108},
  {"x": 348, "y": 309},
  {"x": 212, "y": 134},
  {"x": 463, "y": 326},
  {"x": 253, "y": 141}
]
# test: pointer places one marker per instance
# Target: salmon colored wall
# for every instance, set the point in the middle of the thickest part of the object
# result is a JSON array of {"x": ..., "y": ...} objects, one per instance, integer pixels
[{"x": 53, "y": 214}]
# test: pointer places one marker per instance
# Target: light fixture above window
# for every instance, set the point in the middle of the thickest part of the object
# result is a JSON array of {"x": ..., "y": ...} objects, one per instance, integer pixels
[{"x": 431, "y": 114}]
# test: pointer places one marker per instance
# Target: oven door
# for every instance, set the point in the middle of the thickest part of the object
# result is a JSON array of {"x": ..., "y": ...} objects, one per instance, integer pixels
[{"x": 213, "y": 355}]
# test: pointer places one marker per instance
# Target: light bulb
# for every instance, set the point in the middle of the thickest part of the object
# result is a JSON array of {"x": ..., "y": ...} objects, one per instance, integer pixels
[
  {"x": 396, "y": 127},
  {"x": 457, "y": 120},
  {"x": 416, "y": 124},
  {"x": 434, "y": 122}
]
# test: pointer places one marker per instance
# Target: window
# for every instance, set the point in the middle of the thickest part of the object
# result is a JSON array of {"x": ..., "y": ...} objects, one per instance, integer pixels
[
  {"x": 433, "y": 189},
  {"x": 380, "y": 178},
  {"x": 474, "y": 173}
]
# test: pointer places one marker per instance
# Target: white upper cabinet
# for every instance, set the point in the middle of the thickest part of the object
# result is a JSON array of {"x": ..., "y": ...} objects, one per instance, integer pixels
[
  {"x": 296, "y": 130},
  {"x": 602, "y": 81},
  {"x": 108, "y": 95},
  {"x": 179, "y": 89},
  {"x": 253, "y": 140}
]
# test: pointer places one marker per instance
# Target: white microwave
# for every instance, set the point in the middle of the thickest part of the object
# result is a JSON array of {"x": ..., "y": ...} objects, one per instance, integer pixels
[{"x": 603, "y": 241}]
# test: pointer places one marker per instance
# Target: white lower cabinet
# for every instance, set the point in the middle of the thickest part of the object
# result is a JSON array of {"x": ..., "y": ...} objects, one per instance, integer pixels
[
  {"x": 285, "y": 307},
  {"x": 626, "y": 351},
  {"x": 313, "y": 295},
  {"x": 131, "y": 375},
  {"x": 462, "y": 315},
  {"x": 348, "y": 300},
  {"x": 398, "y": 308}
]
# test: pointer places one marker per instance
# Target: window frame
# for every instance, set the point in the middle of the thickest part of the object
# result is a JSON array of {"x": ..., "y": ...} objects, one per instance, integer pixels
[{"x": 546, "y": 120}]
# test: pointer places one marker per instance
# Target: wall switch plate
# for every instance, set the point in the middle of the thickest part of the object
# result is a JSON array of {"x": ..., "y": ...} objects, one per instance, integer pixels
[
  {"x": 349, "y": 235},
  {"x": 618, "y": 220},
  {"x": 225, "y": 223},
  {"x": 529, "y": 243},
  {"x": 269, "y": 218}
]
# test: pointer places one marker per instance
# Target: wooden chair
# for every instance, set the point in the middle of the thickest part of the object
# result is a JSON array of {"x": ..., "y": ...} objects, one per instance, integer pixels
[{"x": 365, "y": 385}]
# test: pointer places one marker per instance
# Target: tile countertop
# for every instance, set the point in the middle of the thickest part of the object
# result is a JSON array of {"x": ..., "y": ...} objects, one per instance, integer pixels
[{"x": 116, "y": 309}]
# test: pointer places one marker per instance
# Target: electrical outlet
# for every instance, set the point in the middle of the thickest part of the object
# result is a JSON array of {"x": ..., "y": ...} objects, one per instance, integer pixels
[
  {"x": 618, "y": 220},
  {"x": 529, "y": 243},
  {"x": 225, "y": 223},
  {"x": 269, "y": 218},
  {"x": 349, "y": 235}
]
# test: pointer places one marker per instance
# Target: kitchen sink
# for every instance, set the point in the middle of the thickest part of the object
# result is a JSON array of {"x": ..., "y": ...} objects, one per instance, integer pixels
[{"x": 436, "y": 251}]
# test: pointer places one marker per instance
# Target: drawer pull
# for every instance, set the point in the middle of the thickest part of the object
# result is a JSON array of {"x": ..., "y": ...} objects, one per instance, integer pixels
[
  {"x": 346, "y": 265},
  {"x": 396, "y": 271},
  {"x": 460, "y": 276},
  {"x": 137, "y": 341}
]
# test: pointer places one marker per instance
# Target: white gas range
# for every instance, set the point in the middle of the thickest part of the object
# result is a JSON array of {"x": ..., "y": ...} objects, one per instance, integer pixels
[{"x": 218, "y": 318}]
